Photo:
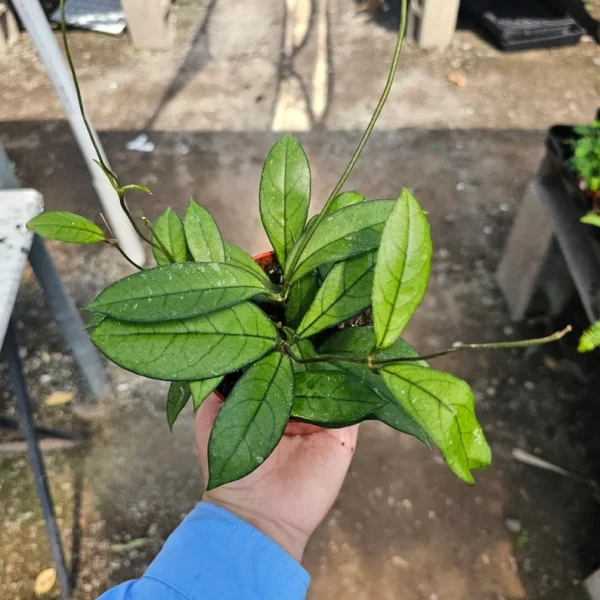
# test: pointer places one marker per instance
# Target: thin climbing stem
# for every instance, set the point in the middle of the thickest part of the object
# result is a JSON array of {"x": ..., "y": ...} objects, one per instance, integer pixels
[
  {"x": 129, "y": 260},
  {"x": 162, "y": 248},
  {"x": 63, "y": 27},
  {"x": 363, "y": 141},
  {"x": 375, "y": 363}
]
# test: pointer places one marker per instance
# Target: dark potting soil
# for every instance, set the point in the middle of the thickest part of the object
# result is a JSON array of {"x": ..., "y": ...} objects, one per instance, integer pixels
[{"x": 275, "y": 311}]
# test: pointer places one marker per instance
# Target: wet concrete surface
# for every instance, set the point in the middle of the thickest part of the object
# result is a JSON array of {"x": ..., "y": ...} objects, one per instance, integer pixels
[{"x": 403, "y": 526}]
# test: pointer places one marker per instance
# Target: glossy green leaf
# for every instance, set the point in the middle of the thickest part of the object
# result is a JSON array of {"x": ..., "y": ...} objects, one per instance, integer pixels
[
  {"x": 169, "y": 230},
  {"x": 66, "y": 227},
  {"x": 252, "y": 420},
  {"x": 591, "y": 219},
  {"x": 284, "y": 195},
  {"x": 359, "y": 341},
  {"x": 202, "y": 389},
  {"x": 342, "y": 234},
  {"x": 345, "y": 199},
  {"x": 236, "y": 256},
  {"x": 590, "y": 340},
  {"x": 444, "y": 407},
  {"x": 192, "y": 349},
  {"x": 96, "y": 319},
  {"x": 402, "y": 270},
  {"x": 390, "y": 412},
  {"x": 177, "y": 291},
  {"x": 302, "y": 294},
  {"x": 179, "y": 394},
  {"x": 305, "y": 349},
  {"x": 333, "y": 396},
  {"x": 202, "y": 234},
  {"x": 345, "y": 292}
]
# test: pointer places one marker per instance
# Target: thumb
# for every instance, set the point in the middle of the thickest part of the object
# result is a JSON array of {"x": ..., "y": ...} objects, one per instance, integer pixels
[{"x": 205, "y": 417}]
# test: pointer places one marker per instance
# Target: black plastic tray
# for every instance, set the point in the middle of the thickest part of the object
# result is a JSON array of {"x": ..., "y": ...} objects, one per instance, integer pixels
[{"x": 523, "y": 24}]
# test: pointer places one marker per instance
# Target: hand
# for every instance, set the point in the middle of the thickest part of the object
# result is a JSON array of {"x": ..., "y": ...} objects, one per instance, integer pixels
[{"x": 289, "y": 495}]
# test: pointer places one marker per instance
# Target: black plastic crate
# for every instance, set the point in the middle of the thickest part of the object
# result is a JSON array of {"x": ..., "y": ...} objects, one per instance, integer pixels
[{"x": 523, "y": 24}]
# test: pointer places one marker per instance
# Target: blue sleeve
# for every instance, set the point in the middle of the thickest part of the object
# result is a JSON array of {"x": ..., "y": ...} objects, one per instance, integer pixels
[{"x": 215, "y": 555}]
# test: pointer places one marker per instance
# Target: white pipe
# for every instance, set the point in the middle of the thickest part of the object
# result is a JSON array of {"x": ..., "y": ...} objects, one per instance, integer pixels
[{"x": 36, "y": 23}]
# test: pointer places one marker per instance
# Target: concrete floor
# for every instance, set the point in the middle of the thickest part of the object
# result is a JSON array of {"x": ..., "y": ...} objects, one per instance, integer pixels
[{"x": 403, "y": 527}]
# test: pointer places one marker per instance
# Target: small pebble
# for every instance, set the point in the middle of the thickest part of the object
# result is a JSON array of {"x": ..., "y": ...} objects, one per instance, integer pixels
[
  {"x": 529, "y": 385},
  {"x": 399, "y": 562},
  {"x": 513, "y": 525},
  {"x": 485, "y": 559}
]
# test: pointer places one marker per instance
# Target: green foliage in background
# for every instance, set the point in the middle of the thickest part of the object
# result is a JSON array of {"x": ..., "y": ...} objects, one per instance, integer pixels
[{"x": 586, "y": 155}]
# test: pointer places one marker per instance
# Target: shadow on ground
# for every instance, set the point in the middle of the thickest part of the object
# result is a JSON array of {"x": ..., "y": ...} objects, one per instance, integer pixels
[{"x": 403, "y": 526}]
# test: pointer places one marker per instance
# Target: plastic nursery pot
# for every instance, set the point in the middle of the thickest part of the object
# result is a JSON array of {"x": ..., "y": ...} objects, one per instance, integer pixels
[{"x": 293, "y": 427}]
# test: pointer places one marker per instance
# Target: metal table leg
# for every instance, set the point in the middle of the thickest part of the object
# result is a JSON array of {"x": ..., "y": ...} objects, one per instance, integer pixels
[
  {"x": 68, "y": 318},
  {"x": 24, "y": 410}
]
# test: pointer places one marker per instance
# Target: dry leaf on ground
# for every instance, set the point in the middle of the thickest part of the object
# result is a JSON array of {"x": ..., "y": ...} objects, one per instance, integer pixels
[
  {"x": 44, "y": 582},
  {"x": 58, "y": 398}
]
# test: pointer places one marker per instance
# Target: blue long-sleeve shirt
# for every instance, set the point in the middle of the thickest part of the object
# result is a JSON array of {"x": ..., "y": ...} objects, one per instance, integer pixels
[{"x": 215, "y": 555}]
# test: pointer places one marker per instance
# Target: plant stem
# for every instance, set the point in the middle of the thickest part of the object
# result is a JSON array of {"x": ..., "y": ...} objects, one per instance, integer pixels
[
  {"x": 114, "y": 180},
  {"x": 491, "y": 346},
  {"x": 374, "y": 363},
  {"x": 365, "y": 138},
  {"x": 129, "y": 260},
  {"x": 162, "y": 248},
  {"x": 63, "y": 27}
]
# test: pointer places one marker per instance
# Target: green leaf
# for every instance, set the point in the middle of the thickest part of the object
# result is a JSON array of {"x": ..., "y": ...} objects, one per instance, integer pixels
[
  {"x": 284, "y": 195},
  {"x": 345, "y": 199},
  {"x": 342, "y": 234},
  {"x": 179, "y": 394},
  {"x": 345, "y": 292},
  {"x": 444, "y": 407},
  {"x": 305, "y": 349},
  {"x": 236, "y": 256},
  {"x": 325, "y": 396},
  {"x": 177, "y": 291},
  {"x": 359, "y": 341},
  {"x": 590, "y": 340},
  {"x": 252, "y": 420},
  {"x": 96, "y": 319},
  {"x": 591, "y": 219},
  {"x": 66, "y": 227},
  {"x": 202, "y": 233},
  {"x": 192, "y": 349},
  {"x": 169, "y": 230},
  {"x": 302, "y": 293},
  {"x": 202, "y": 389},
  {"x": 402, "y": 270}
]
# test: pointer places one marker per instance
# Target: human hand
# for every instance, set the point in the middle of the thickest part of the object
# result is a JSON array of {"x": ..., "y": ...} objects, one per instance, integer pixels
[{"x": 289, "y": 495}]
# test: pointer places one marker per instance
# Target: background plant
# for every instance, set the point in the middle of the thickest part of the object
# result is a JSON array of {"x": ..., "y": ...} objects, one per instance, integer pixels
[
  {"x": 590, "y": 340},
  {"x": 208, "y": 312},
  {"x": 586, "y": 155}
]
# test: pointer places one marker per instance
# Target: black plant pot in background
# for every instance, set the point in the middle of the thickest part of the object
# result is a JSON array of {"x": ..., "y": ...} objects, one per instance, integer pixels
[{"x": 559, "y": 143}]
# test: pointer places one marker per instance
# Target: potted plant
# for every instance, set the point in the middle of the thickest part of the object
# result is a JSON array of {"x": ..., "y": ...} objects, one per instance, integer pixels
[
  {"x": 310, "y": 331},
  {"x": 590, "y": 340},
  {"x": 575, "y": 152},
  {"x": 586, "y": 161}
]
